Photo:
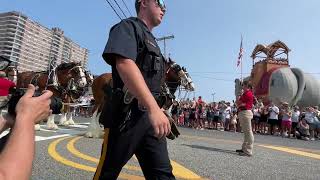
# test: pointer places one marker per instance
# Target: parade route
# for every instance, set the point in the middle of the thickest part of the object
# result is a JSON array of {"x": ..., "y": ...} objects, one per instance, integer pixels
[
  {"x": 196, "y": 154},
  {"x": 179, "y": 170}
]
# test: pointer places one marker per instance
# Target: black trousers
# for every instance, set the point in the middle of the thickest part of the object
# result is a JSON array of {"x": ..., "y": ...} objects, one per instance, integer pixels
[{"x": 151, "y": 152}]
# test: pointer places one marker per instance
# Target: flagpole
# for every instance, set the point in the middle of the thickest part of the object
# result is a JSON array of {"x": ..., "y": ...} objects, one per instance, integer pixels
[
  {"x": 241, "y": 59},
  {"x": 241, "y": 70}
]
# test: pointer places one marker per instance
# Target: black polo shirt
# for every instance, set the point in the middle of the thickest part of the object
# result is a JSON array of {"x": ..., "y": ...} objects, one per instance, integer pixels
[{"x": 126, "y": 40}]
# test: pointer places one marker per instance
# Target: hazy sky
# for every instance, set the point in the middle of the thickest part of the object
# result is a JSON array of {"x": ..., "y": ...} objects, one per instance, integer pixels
[{"x": 207, "y": 33}]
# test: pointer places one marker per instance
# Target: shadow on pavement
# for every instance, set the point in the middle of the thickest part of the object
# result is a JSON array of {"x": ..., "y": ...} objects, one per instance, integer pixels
[{"x": 211, "y": 149}]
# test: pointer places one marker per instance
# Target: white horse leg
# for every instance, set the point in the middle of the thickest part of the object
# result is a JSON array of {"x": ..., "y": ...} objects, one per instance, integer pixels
[
  {"x": 63, "y": 119},
  {"x": 50, "y": 123},
  {"x": 70, "y": 120},
  {"x": 95, "y": 130}
]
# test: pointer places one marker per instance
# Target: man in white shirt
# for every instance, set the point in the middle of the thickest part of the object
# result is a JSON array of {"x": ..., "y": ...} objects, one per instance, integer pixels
[
  {"x": 295, "y": 119},
  {"x": 273, "y": 118}
]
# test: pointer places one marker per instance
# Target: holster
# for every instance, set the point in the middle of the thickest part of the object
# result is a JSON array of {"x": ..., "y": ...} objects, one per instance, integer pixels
[{"x": 115, "y": 112}]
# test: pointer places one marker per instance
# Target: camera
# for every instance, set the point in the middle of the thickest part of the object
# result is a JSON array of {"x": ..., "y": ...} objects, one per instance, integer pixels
[{"x": 16, "y": 94}]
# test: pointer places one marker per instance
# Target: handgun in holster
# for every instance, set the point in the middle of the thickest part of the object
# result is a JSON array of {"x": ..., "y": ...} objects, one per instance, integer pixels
[{"x": 115, "y": 112}]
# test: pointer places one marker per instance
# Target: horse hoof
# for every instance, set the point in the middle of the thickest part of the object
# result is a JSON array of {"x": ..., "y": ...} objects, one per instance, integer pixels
[
  {"x": 62, "y": 123},
  {"x": 37, "y": 127},
  {"x": 65, "y": 123},
  {"x": 71, "y": 122},
  {"x": 88, "y": 135},
  {"x": 52, "y": 127}
]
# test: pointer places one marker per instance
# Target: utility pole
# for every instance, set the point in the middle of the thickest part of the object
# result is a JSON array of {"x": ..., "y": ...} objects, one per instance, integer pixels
[
  {"x": 213, "y": 96},
  {"x": 164, "y": 38}
]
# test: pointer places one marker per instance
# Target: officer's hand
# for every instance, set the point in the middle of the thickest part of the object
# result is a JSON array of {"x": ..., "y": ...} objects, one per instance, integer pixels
[
  {"x": 34, "y": 108},
  {"x": 159, "y": 122}
]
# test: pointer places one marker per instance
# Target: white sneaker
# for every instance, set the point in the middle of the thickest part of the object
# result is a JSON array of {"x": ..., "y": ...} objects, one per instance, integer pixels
[{"x": 312, "y": 139}]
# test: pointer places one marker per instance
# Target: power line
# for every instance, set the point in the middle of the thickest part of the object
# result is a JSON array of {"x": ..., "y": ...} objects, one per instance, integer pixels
[
  {"x": 127, "y": 7},
  {"x": 114, "y": 10},
  {"x": 227, "y": 80},
  {"x": 222, "y": 72},
  {"x": 120, "y": 9},
  {"x": 216, "y": 72}
]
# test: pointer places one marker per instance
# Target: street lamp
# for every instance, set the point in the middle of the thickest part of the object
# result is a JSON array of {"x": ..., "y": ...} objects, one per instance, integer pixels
[{"x": 213, "y": 96}]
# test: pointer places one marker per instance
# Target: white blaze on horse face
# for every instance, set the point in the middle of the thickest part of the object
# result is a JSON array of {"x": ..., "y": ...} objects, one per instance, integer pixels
[
  {"x": 14, "y": 76},
  {"x": 90, "y": 77},
  {"x": 192, "y": 87},
  {"x": 186, "y": 81},
  {"x": 189, "y": 80},
  {"x": 83, "y": 80}
]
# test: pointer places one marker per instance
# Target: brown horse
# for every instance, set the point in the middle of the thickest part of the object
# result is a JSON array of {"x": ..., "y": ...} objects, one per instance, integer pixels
[
  {"x": 174, "y": 77},
  {"x": 67, "y": 82},
  {"x": 67, "y": 76}
]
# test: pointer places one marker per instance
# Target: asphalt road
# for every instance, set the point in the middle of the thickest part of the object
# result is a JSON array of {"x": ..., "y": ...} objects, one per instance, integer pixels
[{"x": 196, "y": 154}]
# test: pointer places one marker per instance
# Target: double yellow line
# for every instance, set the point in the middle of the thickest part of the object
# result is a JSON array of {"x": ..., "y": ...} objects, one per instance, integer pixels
[
  {"x": 178, "y": 170},
  {"x": 310, "y": 153}
]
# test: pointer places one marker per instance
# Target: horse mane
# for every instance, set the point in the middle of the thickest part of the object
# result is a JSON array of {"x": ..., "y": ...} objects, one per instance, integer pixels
[{"x": 65, "y": 66}]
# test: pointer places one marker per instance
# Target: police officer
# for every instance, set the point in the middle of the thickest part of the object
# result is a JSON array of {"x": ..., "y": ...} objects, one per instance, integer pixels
[{"x": 137, "y": 64}]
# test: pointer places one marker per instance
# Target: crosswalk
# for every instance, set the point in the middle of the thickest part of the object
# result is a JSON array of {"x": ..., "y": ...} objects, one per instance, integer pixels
[{"x": 63, "y": 131}]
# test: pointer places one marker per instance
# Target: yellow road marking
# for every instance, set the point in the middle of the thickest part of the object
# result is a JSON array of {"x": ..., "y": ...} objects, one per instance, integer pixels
[
  {"x": 56, "y": 156},
  {"x": 178, "y": 170},
  {"x": 292, "y": 151},
  {"x": 239, "y": 142},
  {"x": 74, "y": 151},
  {"x": 211, "y": 139}
]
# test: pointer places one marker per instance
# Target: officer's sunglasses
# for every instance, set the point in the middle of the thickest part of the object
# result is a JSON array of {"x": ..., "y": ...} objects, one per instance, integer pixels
[{"x": 162, "y": 5}]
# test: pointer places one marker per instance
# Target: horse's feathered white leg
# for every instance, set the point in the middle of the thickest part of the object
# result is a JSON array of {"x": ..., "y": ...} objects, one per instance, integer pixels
[
  {"x": 63, "y": 119},
  {"x": 70, "y": 120},
  {"x": 50, "y": 123},
  {"x": 95, "y": 130}
]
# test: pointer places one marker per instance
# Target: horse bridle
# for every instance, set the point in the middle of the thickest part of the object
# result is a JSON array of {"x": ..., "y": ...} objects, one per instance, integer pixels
[
  {"x": 184, "y": 77},
  {"x": 82, "y": 74},
  {"x": 13, "y": 76}
]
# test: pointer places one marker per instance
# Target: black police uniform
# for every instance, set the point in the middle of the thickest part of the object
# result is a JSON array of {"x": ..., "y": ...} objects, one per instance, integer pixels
[{"x": 131, "y": 39}]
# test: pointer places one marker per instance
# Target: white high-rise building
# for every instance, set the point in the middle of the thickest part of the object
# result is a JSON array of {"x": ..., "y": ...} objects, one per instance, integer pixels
[{"x": 31, "y": 46}]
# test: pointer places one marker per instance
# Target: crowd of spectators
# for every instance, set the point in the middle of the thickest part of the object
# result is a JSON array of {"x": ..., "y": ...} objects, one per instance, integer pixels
[{"x": 279, "y": 120}]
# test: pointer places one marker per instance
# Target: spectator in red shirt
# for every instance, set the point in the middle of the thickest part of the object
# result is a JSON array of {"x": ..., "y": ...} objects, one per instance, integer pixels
[
  {"x": 245, "y": 103},
  {"x": 5, "y": 85},
  {"x": 200, "y": 122}
]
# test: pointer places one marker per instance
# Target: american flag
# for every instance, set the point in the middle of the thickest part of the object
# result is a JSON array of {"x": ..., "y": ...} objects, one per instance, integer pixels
[{"x": 240, "y": 54}]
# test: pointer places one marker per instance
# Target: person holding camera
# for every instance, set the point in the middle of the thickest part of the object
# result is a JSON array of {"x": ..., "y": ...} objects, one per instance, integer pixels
[
  {"x": 19, "y": 150},
  {"x": 273, "y": 117}
]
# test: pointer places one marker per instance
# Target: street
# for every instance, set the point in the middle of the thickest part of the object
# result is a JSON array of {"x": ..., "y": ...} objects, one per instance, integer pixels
[{"x": 207, "y": 154}]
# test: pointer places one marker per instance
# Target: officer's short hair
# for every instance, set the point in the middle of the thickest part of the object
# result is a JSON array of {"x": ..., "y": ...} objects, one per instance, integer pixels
[{"x": 137, "y": 6}]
